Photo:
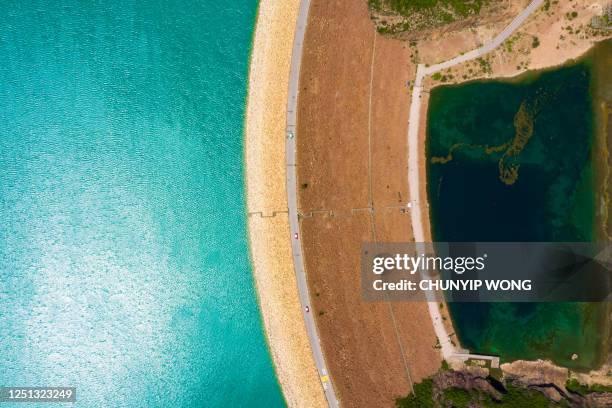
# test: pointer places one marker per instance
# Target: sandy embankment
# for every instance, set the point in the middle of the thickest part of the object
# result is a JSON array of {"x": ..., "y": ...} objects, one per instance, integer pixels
[{"x": 267, "y": 204}]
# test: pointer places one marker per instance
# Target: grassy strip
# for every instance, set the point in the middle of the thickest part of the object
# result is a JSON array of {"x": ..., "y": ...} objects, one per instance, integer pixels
[
  {"x": 457, "y": 397},
  {"x": 419, "y": 14},
  {"x": 576, "y": 387},
  {"x": 407, "y": 7}
]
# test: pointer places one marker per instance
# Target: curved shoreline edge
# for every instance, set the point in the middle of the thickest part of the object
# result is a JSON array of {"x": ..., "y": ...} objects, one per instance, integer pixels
[
  {"x": 596, "y": 375},
  {"x": 267, "y": 208},
  {"x": 416, "y": 171}
]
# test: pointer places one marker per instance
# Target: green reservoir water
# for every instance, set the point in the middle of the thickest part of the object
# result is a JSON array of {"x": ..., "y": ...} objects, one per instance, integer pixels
[
  {"x": 124, "y": 266},
  {"x": 513, "y": 161}
]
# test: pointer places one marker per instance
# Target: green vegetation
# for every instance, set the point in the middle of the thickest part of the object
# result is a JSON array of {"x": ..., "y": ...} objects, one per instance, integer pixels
[
  {"x": 375, "y": 5},
  {"x": 515, "y": 397},
  {"x": 445, "y": 366},
  {"x": 571, "y": 16},
  {"x": 600, "y": 388},
  {"x": 458, "y": 397},
  {"x": 510, "y": 42},
  {"x": 384, "y": 29},
  {"x": 461, "y": 8},
  {"x": 576, "y": 387},
  {"x": 421, "y": 398},
  {"x": 419, "y": 14},
  {"x": 442, "y": 78},
  {"x": 601, "y": 22},
  {"x": 485, "y": 65},
  {"x": 536, "y": 42},
  {"x": 520, "y": 398}
]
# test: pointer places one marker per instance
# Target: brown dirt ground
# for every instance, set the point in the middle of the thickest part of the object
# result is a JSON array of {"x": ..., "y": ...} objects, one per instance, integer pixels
[
  {"x": 349, "y": 159},
  {"x": 352, "y": 152}
]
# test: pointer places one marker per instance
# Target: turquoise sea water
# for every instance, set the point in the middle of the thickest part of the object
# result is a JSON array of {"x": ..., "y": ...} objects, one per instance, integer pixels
[{"x": 124, "y": 265}]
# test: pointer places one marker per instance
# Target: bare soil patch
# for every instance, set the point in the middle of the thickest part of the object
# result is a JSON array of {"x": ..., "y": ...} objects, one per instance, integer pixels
[{"x": 352, "y": 175}]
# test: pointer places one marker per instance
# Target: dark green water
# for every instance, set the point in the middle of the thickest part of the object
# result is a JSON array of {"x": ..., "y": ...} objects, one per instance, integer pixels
[{"x": 512, "y": 161}]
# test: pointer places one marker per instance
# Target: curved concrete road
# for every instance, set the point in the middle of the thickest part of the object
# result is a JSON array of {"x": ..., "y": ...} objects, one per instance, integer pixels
[
  {"x": 414, "y": 177},
  {"x": 490, "y": 45},
  {"x": 298, "y": 259}
]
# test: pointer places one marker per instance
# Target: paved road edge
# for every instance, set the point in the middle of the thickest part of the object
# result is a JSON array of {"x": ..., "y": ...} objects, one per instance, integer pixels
[
  {"x": 290, "y": 158},
  {"x": 448, "y": 350}
]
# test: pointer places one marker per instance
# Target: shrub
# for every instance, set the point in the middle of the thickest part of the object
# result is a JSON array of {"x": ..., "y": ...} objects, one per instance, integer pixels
[{"x": 421, "y": 398}]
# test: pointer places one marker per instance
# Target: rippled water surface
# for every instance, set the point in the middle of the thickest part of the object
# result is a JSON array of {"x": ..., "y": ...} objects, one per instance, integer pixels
[{"x": 124, "y": 265}]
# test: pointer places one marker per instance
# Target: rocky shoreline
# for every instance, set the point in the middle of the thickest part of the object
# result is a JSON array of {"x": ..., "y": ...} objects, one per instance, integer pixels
[{"x": 535, "y": 383}]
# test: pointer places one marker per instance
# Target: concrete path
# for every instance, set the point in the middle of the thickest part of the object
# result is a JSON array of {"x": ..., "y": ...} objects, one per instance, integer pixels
[
  {"x": 489, "y": 46},
  {"x": 414, "y": 177},
  {"x": 298, "y": 259}
]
